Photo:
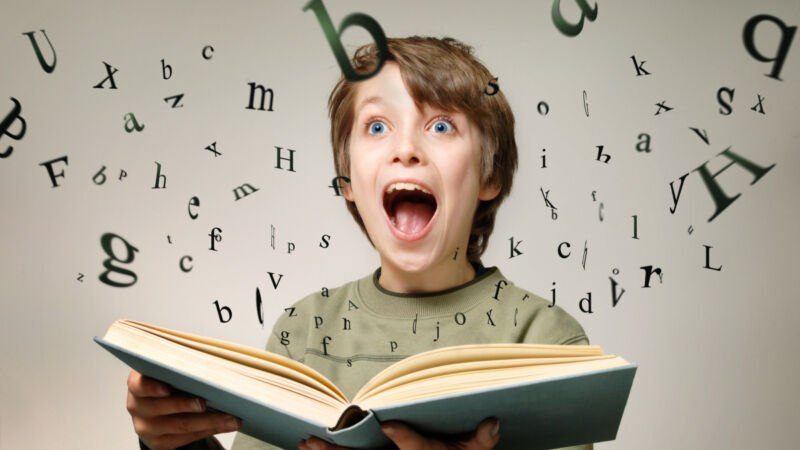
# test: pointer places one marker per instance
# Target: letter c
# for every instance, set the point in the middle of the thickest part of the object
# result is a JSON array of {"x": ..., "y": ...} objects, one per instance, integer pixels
[
  {"x": 561, "y": 254},
  {"x": 184, "y": 268}
]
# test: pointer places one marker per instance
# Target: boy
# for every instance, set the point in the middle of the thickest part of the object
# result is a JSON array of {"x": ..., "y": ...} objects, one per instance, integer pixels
[{"x": 430, "y": 157}]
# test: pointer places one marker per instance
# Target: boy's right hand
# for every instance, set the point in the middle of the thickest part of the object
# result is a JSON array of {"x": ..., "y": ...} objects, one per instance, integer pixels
[{"x": 165, "y": 421}]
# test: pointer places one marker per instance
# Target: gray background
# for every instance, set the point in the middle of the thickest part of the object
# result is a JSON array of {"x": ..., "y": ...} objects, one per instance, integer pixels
[{"x": 715, "y": 348}]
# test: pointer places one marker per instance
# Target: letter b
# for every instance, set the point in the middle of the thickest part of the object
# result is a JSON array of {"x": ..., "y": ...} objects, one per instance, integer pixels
[
  {"x": 166, "y": 70},
  {"x": 334, "y": 38},
  {"x": 221, "y": 310}
]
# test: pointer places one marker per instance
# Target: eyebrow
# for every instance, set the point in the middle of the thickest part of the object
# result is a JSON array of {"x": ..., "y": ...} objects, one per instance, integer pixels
[
  {"x": 374, "y": 99},
  {"x": 378, "y": 100}
]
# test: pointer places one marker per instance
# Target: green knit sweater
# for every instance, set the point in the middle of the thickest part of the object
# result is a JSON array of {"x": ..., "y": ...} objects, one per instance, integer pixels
[{"x": 351, "y": 333}]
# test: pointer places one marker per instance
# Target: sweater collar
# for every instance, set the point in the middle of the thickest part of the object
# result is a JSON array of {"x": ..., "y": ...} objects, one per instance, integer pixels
[{"x": 450, "y": 301}]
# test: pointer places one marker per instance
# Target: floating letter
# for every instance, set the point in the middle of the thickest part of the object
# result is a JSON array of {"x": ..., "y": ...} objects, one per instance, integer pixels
[
  {"x": 130, "y": 251},
  {"x": 110, "y": 71},
  {"x": 6, "y": 123},
  {"x": 787, "y": 34},
  {"x": 725, "y": 104},
  {"x": 131, "y": 123},
  {"x": 334, "y": 38},
  {"x": 283, "y": 158},
  {"x": 644, "y": 144},
  {"x": 47, "y": 67},
  {"x": 722, "y": 201},
  {"x": 49, "y": 166},
  {"x": 253, "y": 88},
  {"x": 572, "y": 29}
]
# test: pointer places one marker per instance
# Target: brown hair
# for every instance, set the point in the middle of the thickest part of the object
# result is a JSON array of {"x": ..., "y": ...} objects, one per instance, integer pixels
[{"x": 444, "y": 74}]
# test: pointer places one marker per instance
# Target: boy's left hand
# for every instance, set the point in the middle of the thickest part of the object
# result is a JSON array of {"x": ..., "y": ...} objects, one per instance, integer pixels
[{"x": 485, "y": 436}]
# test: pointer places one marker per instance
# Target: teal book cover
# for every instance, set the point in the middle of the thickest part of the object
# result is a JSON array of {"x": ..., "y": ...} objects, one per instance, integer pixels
[{"x": 546, "y": 413}]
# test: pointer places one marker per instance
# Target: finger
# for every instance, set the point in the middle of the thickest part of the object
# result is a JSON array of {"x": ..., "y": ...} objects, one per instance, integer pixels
[
  {"x": 172, "y": 441},
  {"x": 487, "y": 435},
  {"x": 315, "y": 443},
  {"x": 151, "y": 407},
  {"x": 408, "y": 439},
  {"x": 142, "y": 386},
  {"x": 185, "y": 423}
]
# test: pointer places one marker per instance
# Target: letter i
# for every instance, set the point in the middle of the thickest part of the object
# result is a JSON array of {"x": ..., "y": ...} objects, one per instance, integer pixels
[{"x": 544, "y": 162}]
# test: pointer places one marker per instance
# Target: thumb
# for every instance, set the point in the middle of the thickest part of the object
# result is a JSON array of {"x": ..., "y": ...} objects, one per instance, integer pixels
[
  {"x": 488, "y": 433},
  {"x": 404, "y": 437}
]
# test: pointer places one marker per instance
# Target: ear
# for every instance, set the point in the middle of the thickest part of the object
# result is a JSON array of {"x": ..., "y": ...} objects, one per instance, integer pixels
[
  {"x": 348, "y": 193},
  {"x": 489, "y": 192}
]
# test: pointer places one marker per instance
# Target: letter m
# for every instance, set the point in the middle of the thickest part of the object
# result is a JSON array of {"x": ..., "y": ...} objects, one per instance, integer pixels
[
  {"x": 263, "y": 91},
  {"x": 245, "y": 190}
]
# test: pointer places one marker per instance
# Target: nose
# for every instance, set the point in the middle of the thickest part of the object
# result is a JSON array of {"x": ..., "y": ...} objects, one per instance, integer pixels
[{"x": 408, "y": 150}]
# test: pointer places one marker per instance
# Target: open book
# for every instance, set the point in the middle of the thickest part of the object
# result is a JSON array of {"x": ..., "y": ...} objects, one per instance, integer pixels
[{"x": 544, "y": 395}]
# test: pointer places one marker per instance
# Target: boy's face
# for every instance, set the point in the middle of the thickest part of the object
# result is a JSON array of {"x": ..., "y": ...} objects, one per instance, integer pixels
[{"x": 414, "y": 176}]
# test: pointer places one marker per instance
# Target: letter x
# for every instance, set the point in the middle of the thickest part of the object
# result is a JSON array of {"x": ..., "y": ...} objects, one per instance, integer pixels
[
  {"x": 758, "y": 106},
  {"x": 662, "y": 105}
]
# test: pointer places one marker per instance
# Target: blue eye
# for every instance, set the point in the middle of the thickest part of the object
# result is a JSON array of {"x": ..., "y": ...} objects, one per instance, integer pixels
[
  {"x": 441, "y": 127},
  {"x": 376, "y": 128}
]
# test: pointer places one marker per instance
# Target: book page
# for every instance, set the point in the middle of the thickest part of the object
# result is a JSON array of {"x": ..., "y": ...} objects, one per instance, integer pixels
[
  {"x": 248, "y": 356},
  {"x": 245, "y": 381},
  {"x": 469, "y": 367},
  {"x": 454, "y": 382},
  {"x": 475, "y": 353}
]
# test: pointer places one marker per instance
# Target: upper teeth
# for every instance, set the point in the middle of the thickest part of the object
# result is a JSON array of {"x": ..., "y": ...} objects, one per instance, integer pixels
[{"x": 406, "y": 186}]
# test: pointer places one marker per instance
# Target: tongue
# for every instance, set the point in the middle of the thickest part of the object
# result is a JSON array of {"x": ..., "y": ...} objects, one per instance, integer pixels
[{"x": 410, "y": 217}]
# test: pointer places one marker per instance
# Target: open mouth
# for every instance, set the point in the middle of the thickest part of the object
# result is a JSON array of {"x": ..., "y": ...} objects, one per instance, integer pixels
[{"x": 410, "y": 208}]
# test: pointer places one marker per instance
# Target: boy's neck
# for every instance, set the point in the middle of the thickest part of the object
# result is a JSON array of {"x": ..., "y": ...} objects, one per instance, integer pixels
[{"x": 435, "y": 279}]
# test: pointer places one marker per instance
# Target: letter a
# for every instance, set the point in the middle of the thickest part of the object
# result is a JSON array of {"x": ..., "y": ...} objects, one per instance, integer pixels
[
  {"x": 334, "y": 38},
  {"x": 644, "y": 144},
  {"x": 571, "y": 29},
  {"x": 131, "y": 123},
  {"x": 47, "y": 67}
]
